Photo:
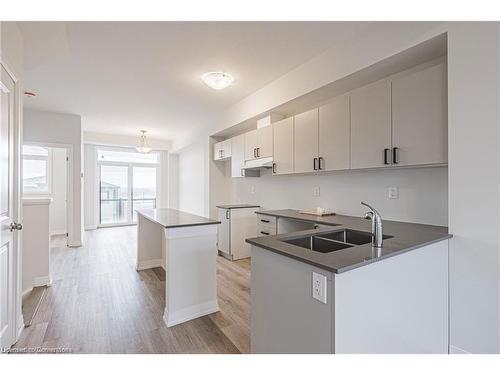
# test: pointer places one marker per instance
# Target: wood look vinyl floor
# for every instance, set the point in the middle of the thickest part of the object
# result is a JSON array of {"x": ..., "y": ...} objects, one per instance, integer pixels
[{"x": 99, "y": 303}]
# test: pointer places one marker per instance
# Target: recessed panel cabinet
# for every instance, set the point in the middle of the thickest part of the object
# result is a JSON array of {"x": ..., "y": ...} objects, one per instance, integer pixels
[
  {"x": 371, "y": 126},
  {"x": 419, "y": 117},
  {"x": 283, "y": 146},
  {"x": 306, "y": 141},
  {"x": 222, "y": 150},
  {"x": 259, "y": 143}
]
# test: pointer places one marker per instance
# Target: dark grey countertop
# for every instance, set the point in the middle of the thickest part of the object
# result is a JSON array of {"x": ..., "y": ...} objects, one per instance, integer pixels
[
  {"x": 235, "y": 206},
  {"x": 405, "y": 237},
  {"x": 170, "y": 218}
]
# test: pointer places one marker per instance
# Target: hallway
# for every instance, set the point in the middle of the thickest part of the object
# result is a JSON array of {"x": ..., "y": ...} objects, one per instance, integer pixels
[{"x": 98, "y": 303}]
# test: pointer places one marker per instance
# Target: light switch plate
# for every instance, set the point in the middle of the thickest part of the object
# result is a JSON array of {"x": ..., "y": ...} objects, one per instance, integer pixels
[
  {"x": 393, "y": 192},
  {"x": 319, "y": 287}
]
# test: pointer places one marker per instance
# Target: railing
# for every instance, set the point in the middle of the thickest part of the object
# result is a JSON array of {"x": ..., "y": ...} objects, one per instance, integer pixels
[{"x": 114, "y": 210}]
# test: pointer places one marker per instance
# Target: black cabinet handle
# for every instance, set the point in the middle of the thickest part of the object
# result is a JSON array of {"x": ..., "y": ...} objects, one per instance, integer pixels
[
  {"x": 395, "y": 159},
  {"x": 314, "y": 164},
  {"x": 254, "y": 154},
  {"x": 386, "y": 156},
  {"x": 266, "y": 233},
  {"x": 265, "y": 221},
  {"x": 258, "y": 152},
  {"x": 320, "y": 159},
  {"x": 274, "y": 167}
]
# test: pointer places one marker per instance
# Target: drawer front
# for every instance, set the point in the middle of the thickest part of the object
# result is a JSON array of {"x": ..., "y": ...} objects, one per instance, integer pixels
[
  {"x": 266, "y": 230},
  {"x": 266, "y": 220}
]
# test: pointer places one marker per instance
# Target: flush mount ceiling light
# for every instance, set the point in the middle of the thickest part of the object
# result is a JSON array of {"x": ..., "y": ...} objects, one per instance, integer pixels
[
  {"x": 143, "y": 148},
  {"x": 217, "y": 80}
]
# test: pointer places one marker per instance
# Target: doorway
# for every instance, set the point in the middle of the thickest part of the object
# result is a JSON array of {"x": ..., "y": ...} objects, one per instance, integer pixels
[{"x": 127, "y": 181}]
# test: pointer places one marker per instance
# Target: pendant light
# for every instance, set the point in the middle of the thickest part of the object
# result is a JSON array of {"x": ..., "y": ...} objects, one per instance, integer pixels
[{"x": 143, "y": 148}]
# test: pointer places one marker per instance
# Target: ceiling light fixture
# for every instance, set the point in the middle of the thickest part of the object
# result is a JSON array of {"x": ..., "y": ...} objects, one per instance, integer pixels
[
  {"x": 217, "y": 80},
  {"x": 143, "y": 148}
]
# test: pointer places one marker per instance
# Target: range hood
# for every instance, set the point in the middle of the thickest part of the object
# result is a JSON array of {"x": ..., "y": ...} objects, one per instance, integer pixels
[{"x": 263, "y": 163}]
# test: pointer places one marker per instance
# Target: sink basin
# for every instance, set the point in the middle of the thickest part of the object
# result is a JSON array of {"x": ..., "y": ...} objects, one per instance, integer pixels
[
  {"x": 350, "y": 236},
  {"x": 318, "y": 244}
]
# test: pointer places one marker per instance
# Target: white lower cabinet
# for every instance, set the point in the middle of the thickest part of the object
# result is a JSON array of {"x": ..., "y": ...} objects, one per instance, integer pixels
[
  {"x": 396, "y": 305},
  {"x": 237, "y": 224}
]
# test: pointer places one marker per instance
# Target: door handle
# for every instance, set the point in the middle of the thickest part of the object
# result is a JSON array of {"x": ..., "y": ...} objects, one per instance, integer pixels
[
  {"x": 386, "y": 157},
  {"x": 395, "y": 155},
  {"x": 314, "y": 164},
  {"x": 15, "y": 226}
]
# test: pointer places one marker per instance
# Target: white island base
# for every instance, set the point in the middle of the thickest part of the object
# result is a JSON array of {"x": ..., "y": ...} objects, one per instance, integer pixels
[{"x": 187, "y": 251}]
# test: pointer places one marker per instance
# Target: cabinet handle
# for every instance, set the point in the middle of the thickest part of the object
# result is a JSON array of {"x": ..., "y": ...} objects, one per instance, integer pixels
[
  {"x": 258, "y": 152},
  {"x": 395, "y": 155},
  {"x": 320, "y": 159},
  {"x": 386, "y": 156},
  {"x": 221, "y": 153},
  {"x": 274, "y": 167},
  {"x": 314, "y": 164},
  {"x": 254, "y": 153},
  {"x": 265, "y": 233},
  {"x": 265, "y": 221},
  {"x": 242, "y": 173},
  {"x": 227, "y": 214}
]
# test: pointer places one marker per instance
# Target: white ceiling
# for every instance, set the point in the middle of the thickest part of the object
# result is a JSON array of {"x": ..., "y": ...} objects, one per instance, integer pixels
[{"x": 125, "y": 76}]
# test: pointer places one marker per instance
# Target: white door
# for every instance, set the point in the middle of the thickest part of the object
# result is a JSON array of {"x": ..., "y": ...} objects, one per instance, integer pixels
[
  {"x": 237, "y": 155},
  {"x": 283, "y": 146},
  {"x": 306, "y": 141},
  {"x": 8, "y": 211},
  {"x": 419, "y": 117},
  {"x": 224, "y": 231},
  {"x": 334, "y": 135},
  {"x": 371, "y": 126},
  {"x": 265, "y": 142}
]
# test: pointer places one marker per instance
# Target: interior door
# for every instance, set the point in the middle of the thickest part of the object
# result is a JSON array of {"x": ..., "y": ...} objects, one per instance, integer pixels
[
  {"x": 8, "y": 235},
  {"x": 306, "y": 141}
]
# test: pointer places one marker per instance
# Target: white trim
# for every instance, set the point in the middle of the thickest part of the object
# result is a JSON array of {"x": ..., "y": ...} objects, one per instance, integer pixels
[
  {"x": 58, "y": 232},
  {"x": 74, "y": 243},
  {"x": 150, "y": 263},
  {"x": 189, "y": 231},
  {"x": 192, "y": 312},
  {"x": 33, "y": 201},
  {"x": 42, "y": 281},
  {"x": 456, "y": 350}
]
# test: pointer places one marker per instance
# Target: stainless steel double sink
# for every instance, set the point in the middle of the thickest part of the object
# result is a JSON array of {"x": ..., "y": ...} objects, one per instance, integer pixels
[{"x": 333, "y": 241}]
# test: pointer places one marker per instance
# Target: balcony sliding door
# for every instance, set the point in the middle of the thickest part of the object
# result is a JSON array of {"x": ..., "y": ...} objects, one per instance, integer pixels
[
  {"x": 114, "y": 197},
  {"x": 143, "y": 189}
]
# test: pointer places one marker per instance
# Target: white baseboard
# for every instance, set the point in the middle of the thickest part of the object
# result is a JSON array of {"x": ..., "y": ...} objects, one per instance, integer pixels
[
  {"x": 456, "y": 350},
  {"x": 146, "y": 264},
  {"x": 173, "y": 318}
]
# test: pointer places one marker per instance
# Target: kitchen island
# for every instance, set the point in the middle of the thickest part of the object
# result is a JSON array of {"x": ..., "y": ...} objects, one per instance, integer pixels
[
  {"x": 328, "y": 290},
  {"x": 185, "y": 246}
]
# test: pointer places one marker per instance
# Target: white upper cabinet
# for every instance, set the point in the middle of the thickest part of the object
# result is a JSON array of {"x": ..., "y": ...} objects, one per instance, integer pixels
[
  {"x": 222, "y": 150},
  {"x": 306, "y": 141},
  {"x": 259, "y": 143},
  {"x": 283, "y": 146},
  {"x": 334, "y": 135},
  {"x": 419, "y": 117},
  {"x": 237, "y": 155},
  {"x": 371, "y": 126}
]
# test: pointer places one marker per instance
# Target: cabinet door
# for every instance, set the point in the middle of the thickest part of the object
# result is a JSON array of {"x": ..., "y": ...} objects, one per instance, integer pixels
[
  {"x": 237, "y": 155},
  {"x": 265, "y": 142},
  {"x": 218, "y": 151},
  {"x": 306, "y": 141},
  {"x": 226, "y": 148},
  {"x": 250, "y": 144},
  {"x": 334, "y": 135},
  {"x": 283, "y": 146},
  {"x": 371, "y": 125},
  {"x": 419, "y": 117},
  {"x": 224, "y": 231}
]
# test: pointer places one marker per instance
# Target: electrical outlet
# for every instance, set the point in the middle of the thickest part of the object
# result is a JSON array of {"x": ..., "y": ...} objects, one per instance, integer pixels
[
  {"x": 319, "y": 287},
  {"x": 316, "y": 191},
  {"x": 393, "y": 192}
]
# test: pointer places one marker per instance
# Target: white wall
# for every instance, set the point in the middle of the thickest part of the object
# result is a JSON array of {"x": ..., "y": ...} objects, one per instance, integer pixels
[
  {"x": 192, "y": 174},
  {"x": 423, "y": 193},
  {"x": 58, "y": 214},
  {"x": 60, "y": 128}
]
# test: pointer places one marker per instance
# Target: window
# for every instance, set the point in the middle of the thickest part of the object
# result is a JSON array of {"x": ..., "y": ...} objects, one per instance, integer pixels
[{"x": 36, "y": 170}]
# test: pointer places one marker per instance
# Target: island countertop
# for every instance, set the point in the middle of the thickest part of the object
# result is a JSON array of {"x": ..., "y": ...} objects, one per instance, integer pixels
[
  {"x": 404, "y": 237},
  {"x": 171, "y": 218}
]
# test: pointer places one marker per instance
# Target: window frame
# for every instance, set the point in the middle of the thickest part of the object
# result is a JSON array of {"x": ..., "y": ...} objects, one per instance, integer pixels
[{"x": 48, "y": 171}]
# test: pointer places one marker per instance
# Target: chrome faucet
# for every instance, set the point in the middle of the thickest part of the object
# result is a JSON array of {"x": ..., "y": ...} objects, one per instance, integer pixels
[{"x": 374, "y": 216}]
